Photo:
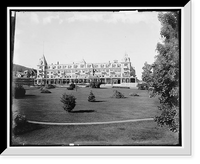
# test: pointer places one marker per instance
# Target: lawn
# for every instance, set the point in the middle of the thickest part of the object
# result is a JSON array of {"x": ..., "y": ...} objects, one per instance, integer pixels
[
  {"x": 48, "y": 108},
  {"x": 133, "y": 134}
]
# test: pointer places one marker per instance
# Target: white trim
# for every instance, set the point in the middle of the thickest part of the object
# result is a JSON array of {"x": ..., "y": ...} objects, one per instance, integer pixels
[{"x": 90, "y": 8}]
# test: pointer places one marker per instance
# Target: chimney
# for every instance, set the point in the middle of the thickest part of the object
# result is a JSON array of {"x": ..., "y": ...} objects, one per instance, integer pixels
[{"x": 57, "y": 63}]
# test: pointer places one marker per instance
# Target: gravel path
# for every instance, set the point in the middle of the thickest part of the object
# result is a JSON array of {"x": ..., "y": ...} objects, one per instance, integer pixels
[{"x": 91, "y": 123}]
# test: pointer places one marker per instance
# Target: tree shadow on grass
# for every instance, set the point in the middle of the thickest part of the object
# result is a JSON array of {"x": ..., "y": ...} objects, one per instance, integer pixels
[
  {"x": 29, "y": 95},
  {"x": 26, "y": 97},
  {"x": 98, "y": 101},
  {"x": 83, "y": 111}
]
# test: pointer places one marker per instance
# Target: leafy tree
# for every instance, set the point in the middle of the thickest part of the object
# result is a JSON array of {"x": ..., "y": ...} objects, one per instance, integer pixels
[
  {"x": 147, "y": 73},
  {"x": 132, "y": 71},
  {"x": 163, "y": 74}
]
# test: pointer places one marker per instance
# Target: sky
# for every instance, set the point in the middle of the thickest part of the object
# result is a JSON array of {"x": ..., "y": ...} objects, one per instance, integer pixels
[{"x": 67, "y": 37}]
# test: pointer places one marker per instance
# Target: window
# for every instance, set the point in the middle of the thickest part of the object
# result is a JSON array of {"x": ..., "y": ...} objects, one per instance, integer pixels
[
  {"x": 107, "y": 65},
  {"x": 118, "y": 65},
  {"x": 113, "y": 65}
]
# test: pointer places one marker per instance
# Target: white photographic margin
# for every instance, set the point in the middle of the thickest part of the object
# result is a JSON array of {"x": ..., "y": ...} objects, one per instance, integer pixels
[{"x": 184, "y": 150}]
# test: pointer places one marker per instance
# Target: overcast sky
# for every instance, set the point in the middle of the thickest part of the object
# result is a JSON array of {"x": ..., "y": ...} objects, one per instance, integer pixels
[{"x": 92, "y": 36}]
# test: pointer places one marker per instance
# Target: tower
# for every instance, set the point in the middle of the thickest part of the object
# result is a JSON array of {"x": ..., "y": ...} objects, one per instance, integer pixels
[{"x": 41, "y": 71}]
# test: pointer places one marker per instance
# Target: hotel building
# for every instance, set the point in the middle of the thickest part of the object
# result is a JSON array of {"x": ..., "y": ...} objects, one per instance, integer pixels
[{"x": 116, "y": 72}]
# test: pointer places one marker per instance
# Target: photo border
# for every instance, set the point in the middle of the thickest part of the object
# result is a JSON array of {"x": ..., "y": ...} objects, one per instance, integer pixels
[{"x": 185, "y": 149}]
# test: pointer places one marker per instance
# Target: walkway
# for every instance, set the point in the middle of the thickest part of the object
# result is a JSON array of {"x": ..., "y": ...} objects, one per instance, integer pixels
[{"x": 91, "y": 123}]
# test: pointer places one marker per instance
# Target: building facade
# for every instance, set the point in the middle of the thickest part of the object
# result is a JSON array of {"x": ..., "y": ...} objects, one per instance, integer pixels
[{"x": 81, "y": 72}]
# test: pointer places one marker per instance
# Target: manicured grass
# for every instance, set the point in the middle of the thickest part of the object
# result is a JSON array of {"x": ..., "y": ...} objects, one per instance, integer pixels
[
  {"x": 137, "y": 133},
  {"x": 48, "y": 108}
]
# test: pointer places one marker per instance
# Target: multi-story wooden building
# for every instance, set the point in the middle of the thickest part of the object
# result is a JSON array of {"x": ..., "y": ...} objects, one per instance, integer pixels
[{"x": 81, "y": 72}]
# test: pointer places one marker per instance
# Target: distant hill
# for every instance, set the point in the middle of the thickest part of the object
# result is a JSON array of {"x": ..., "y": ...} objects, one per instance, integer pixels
[{"x": 20, "y": 68}]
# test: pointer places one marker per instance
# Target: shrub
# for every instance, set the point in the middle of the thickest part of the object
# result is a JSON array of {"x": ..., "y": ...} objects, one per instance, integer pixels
[
  {"x": 117, "y": 94},
  {"x": 19, "y": 91},
  {"x": 20, "y": 120},
  {"x": 21, "y": 125},
  {"x": 133, "y": 94},
  {"x": 142, "y": 86},
  {"x": 71, "y": 86},
  {"x": 91, "y": 97},
  {"x": 95, "y": 84},
  {"x": 69, "y": 102},
  {"x": 45, "y": 91},
  {"x": 49, "y": 86}
]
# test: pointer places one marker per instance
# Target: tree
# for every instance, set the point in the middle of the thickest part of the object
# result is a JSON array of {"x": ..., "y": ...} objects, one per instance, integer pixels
[
  {"x": 147, "y": 73},
  {"x": 163, "y": 74},
  {"x": 132, "y": 71}
]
